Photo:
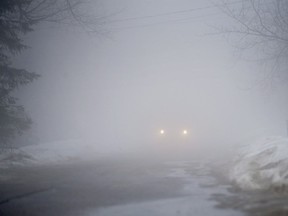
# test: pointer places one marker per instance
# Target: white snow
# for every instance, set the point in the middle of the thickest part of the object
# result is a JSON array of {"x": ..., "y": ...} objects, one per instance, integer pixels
[
  {"x": 262, "y": 165},
  {"x": 52, "y": 152}
]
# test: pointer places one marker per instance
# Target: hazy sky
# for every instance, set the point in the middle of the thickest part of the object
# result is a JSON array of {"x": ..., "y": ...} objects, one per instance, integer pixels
[{"x": 146, "y": 74}]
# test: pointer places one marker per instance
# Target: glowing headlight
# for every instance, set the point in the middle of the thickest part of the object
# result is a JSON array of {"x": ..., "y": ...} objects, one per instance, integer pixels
[
  {"x": 162, "y": 131},
  {"x": 185, "y": 132}
]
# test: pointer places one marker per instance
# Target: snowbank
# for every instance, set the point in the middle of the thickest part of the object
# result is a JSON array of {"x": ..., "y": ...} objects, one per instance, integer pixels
[
  {"x": 52, "y": 152},
  {"x": 262, "y": 165}
]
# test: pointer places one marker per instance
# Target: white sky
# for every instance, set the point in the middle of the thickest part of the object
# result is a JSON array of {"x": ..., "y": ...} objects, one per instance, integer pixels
[{"x": 124, "y": 86}]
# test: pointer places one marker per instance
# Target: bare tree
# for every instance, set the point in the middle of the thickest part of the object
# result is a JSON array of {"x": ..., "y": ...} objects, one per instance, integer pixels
[
  {"x": 262, "y": 26},
  {"x": 59, "y": 11}
]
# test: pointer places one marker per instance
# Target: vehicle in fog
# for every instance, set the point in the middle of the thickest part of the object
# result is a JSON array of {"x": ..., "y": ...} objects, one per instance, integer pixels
[{"x": 174, "y": 139}]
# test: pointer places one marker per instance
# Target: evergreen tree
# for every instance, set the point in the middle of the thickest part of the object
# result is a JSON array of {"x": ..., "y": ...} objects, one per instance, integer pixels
[
  {"x": 13, "y": 25},
  {"x": 17, "y": 17}
]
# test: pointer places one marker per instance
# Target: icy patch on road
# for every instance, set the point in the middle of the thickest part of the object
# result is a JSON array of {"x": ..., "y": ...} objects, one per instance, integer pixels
[
  {"x": 178, "y": 173},
  {"x": 196, "y": 200},
  {"x": 194, "y": 205},
  {"x": 179, "y": 163},
  {"x": 194, "y": 173}
]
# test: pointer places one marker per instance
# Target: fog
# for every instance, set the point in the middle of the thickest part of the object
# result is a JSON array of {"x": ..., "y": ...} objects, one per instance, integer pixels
[{"x": 119, "y": 88}]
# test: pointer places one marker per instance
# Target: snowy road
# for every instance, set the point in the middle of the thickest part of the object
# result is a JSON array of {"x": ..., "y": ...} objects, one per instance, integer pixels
[{"x": 112, "y": 187}]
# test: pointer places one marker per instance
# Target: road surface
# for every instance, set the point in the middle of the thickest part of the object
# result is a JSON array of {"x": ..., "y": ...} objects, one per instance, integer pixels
[{"x": 122, "y": 187}]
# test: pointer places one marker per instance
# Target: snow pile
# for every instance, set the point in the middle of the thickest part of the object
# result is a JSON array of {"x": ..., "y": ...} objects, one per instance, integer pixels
[
  {"x": 262, "y": 165},
  {"x": 52, "y": 152}
]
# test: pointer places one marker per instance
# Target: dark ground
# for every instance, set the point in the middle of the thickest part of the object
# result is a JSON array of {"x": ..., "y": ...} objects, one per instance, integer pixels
[
  {"x": 71, "y": 189},
  {"x": 68, "y": 189}
]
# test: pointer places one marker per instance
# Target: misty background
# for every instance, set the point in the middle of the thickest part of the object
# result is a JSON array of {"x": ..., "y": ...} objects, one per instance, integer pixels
[{"x": 140, "y": 75}]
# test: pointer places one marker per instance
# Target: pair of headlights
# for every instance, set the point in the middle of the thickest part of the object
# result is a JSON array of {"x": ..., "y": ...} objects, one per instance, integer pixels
[{"x": 184, "y": 132}]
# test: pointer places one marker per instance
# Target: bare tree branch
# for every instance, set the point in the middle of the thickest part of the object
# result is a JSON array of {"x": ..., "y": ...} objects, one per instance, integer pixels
[{"x": 261, "y": 25}]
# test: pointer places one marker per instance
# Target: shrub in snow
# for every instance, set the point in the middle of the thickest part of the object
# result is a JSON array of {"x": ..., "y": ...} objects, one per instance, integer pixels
[{"x": 262, "y": 165}]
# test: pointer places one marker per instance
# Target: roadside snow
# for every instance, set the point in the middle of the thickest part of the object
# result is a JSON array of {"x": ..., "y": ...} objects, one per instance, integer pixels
[
  {"x": 262, "y": 165},
  {"x": 51, "y": 153}
]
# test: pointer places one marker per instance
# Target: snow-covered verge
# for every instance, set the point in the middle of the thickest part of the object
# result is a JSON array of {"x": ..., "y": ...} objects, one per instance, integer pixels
[
  {"x": 51, "y": 153},
  {"x": 262, "y": 165}
]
